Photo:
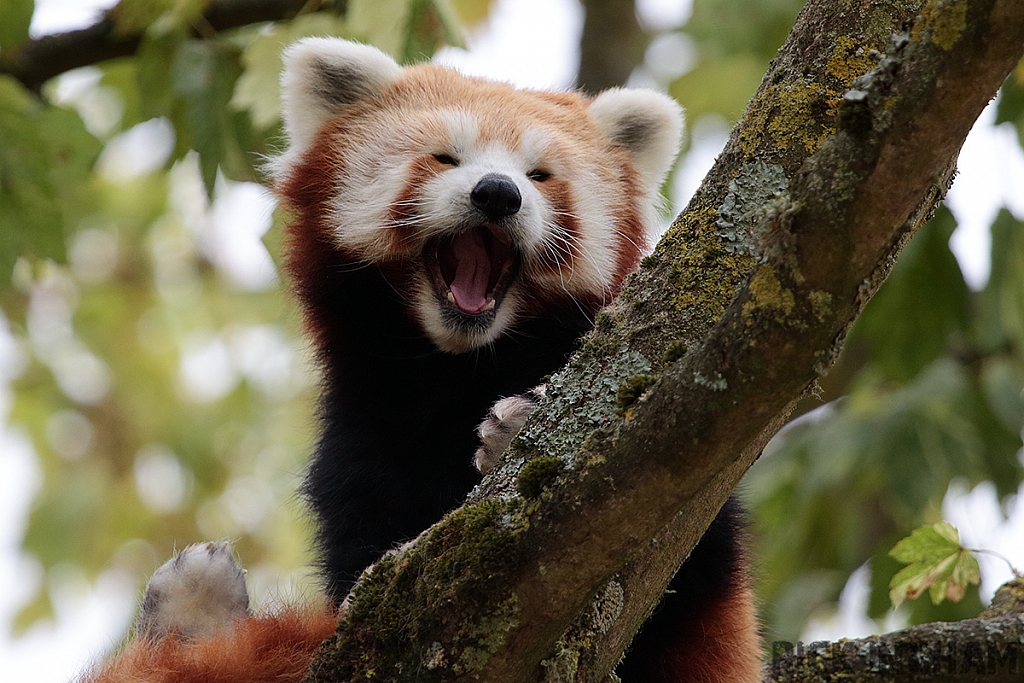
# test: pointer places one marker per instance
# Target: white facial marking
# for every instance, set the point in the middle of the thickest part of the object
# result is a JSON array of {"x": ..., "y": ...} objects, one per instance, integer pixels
[
  {"x": 462, "y": 128},
  {"x": 376, "y": 182},
  {"x": 534, "y": 147}
]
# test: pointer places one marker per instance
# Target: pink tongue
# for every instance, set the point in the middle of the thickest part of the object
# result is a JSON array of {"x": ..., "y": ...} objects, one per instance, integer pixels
[{"x": 472, "y": 272}]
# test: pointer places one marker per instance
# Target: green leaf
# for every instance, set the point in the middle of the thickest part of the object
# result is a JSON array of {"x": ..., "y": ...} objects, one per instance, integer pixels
[
  {"x": 134, "y": 16},
  {"x": 472, "y": 12},
  {"x": 884, "y": 568},
  {"x": 46, "y": 156},
  {"x": 139, "y": 16},
  {"x": 258, "y": 88},
  {"x": 995, "y": 409},
  {"x": 1010, "y": 283},
  {"x": 381, "y": 23},
  {"x": 30, "y": 220},
  {"x": 752, "y": 27},
  {"x": 936, "y": 562},
  {"x": 989, "y": 324},
  {"x": 1002, "y": 381},
  {"x": 432, "y": 23},
  {"x": 123, "y": 76},
  {"x": 36, "y": 610},
  {"x": 154, "y": 74},
  {"x": 203, "y": 81},
  {"x": 17, "y": 15},
  {"x": 736, "y": 40}
]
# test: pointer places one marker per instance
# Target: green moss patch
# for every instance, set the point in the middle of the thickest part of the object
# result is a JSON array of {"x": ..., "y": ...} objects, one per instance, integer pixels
[
  {"x": 538, "y": 474},
  {"x": 674, "y": 352},
  {"x": 439, "y": 586},
  {"x": 632, "y": 389}
]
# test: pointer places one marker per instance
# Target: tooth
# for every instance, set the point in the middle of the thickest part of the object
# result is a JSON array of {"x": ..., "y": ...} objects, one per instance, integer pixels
[
  {"x": 489, "y": 306},
  {"x": 451, "y": 297}
]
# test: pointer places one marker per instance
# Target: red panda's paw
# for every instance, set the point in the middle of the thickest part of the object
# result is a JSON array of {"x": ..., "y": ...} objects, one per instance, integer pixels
[
  {"x": 503, "y": 422},
  {"x": 198, "y": 592}
]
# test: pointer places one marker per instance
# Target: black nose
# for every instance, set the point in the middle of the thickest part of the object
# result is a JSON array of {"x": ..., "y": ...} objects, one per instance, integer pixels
[{"x": 497, "y": 196}]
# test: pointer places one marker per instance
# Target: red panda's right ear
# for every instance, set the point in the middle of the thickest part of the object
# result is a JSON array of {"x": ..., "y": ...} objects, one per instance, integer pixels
[
  {"x": 323, "y": 75},
  {"x": 648, "y": 124}
]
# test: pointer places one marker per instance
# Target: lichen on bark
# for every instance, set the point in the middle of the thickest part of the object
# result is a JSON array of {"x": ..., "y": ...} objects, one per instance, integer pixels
[
  {"x": 989, "y": 649},
  {"x": 758, "y": 329}
]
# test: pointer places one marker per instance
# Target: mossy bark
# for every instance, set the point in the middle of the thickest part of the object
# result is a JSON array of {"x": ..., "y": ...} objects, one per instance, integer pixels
[
  {"x": 989, "y": 649},
  {"x": 841, "y": 155}
]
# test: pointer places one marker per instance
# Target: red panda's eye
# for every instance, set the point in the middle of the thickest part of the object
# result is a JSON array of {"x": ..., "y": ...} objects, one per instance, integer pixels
[
  {"x": 446, "y": 160},
  {"x": 538, "y": 175}
]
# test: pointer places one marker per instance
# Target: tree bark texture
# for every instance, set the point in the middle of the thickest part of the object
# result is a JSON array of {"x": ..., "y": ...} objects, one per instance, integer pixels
[
  {"x": 557, "y": 557},
  {"x": 973, "y": 650},
  {"x": 989, "y": 649}
]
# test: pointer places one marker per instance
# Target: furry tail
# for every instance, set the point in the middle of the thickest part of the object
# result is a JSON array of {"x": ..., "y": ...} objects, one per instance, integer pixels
[
  {"x": 266, "y": 648},
  {"x": 195, "y": 627},
  {"x": 705, "y": 629}
]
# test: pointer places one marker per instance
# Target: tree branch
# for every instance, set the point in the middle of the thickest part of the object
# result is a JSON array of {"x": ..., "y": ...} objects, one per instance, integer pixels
[
  {"x": 840, "y": 157},
  {"x": 37, "y": 60},
  {"x": 989, "y": 648},
  {"x": 612, "y": 44}
]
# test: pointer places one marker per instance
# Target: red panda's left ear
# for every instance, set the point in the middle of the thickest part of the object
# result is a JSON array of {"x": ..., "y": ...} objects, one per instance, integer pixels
[
  {"x": 649, "y": 124},
  {"x": 324, "y": 75}
]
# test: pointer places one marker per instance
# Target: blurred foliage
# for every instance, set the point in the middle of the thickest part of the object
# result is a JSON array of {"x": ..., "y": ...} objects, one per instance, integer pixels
[
  {"x": 44, "y": 175},
  {"x": 927, "y": 391},
  {"x": 17, "y": 16},
  {"x": 1011, "y": 102},
  {"x": 168, "y": 397},
  {"x": 735, "y": 40}
]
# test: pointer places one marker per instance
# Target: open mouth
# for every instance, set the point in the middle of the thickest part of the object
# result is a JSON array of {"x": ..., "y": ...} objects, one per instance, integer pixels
[{"x": 472, "y": 271}]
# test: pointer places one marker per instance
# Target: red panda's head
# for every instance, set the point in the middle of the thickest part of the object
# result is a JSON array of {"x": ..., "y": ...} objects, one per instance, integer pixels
[{"x": 498, "y": 203}]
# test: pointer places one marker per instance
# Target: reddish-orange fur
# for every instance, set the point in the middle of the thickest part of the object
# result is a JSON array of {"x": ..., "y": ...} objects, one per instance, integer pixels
[
  {"x": 264, "y": 648},
  {"x": 719, "y": 645}
]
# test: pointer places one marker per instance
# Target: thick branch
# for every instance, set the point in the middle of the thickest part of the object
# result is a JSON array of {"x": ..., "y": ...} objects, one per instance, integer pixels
[
  {"x": 36, "y": 61},
  {"x": 744, "y": 304}
]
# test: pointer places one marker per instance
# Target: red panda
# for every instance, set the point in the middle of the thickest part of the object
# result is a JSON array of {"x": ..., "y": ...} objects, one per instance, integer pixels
[{"x": 450, "y": 240}]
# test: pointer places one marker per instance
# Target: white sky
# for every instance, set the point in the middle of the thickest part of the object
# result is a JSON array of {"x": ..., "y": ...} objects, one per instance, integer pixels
[
  {"x": 54, "y": 16},
  {"x": 518, "y": 48}
]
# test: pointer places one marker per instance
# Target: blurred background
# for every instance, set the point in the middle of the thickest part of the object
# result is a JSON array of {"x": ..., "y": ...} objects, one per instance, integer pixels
[{"x": 155, "y": 389}]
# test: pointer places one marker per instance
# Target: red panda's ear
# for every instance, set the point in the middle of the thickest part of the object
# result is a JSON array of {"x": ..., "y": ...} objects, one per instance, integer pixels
[
  {"x": 323, "y": 75},
  {"x": 647, "y": 123}
]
